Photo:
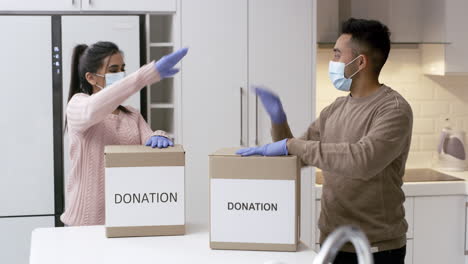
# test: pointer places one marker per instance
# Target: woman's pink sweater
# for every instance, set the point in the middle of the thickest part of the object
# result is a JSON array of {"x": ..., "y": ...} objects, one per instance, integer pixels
[{"x": 91, "y": 126}]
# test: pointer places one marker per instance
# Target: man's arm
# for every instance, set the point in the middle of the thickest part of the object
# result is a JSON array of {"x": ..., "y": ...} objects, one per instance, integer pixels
[
  {"x": 282, "y": 131},
  {"x": 388, "y": 137}
]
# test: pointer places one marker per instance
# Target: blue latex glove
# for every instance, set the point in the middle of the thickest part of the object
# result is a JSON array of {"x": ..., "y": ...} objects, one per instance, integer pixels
[
  {"x": 165, "y": 65},
  {"x": 278, "y": 148},
  {"x": 159, "y": 142},
  {"x": 272, "y": 104}
]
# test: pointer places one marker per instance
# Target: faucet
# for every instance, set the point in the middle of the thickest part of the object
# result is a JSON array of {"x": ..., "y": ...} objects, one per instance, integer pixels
[{"x": 338, "y": 238}]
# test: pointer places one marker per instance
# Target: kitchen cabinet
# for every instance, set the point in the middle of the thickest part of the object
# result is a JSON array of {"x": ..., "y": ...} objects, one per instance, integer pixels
[
  {"x": 436, "y": 229},
  {"x": 435, "y": 24},
  {"x": 328, "y": 21},
  {"x": 403, "y": 17},
  {"x": 15, "y": 237},
  {"x": 442, "y": 24},
  {"x": 235, "y": 44},
  {"x": 439, "y": 225},
  {"x": 89, "y": 5},
  {"x": 129, "y": 5},
  {"x": 409, "y": 216},
  {"x": 43, "y": 5}
]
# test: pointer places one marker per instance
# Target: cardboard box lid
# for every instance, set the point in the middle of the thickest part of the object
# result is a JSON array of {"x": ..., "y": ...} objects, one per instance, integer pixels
[
  {"x": 231, "y": 152},
  {"x": 143, "y": 156},
  {"x": 141, "y": 149},
  {"x": 226, "y": 152},
  {"x": 225, "y": 164}
]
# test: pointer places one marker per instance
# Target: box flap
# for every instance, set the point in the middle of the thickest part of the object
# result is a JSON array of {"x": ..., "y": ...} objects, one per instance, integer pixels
[
  {"x": 231, "y": 152},
  {"x": 143, "y": 156},
  {"x": 225, "y": 164},
  {"x": 120, "y": 149},
  {"x": 226, "y": 152}
]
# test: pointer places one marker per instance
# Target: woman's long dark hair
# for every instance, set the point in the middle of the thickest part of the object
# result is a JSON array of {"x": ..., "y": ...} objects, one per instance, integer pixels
[{"x": 89, "y": 59}]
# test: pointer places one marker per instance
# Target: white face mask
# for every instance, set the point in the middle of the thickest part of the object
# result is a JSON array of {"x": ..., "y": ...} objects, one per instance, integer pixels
[
  {"x": 111, "y": 78},
  {"x": 336, "y": 73}
]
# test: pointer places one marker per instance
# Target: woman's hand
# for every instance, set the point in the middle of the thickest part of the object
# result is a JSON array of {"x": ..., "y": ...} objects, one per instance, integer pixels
[
  {"x": 159, "y": 142},
  {"x": 165, "y": 65}
]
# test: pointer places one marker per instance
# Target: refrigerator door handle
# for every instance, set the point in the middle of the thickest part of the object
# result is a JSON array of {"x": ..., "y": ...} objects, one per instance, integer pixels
[
  {"x": 241, "y": 117},
  {"x": 256, "y": 120}
]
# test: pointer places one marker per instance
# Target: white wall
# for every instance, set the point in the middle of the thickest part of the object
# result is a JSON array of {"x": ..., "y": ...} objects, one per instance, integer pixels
[{"x": 433, "y": 98}]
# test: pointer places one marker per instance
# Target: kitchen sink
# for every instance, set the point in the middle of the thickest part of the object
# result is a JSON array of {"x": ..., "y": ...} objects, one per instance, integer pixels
[{"x": 412, "y": 175}]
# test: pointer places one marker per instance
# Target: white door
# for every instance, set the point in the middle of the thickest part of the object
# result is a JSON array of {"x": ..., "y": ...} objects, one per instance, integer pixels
[
  {"x": 43, "y": 5},
  {"x": 439, "y": 225},
  {"x": 15, "y": 238},
  {"x": 26, "y": 158},
  {"x": 130, "y": 5},
  {"x": 122, "y": 30},
  {"x": 281, "y": 57},
  {"x": 409, "y": 252},
  {"x": 213, "y": 73},
  {"x": 466, "y": 230}
]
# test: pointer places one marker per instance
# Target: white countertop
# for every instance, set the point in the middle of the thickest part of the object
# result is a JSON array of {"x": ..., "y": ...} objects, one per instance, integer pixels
[
  {"x": 439, "y": 188},
  {"x": 90, "y": 245},
  {"x": 67, "y": 245}
]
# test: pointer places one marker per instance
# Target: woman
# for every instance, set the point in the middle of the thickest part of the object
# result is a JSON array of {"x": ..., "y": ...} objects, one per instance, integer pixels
[{"x": 95, "y": 118}]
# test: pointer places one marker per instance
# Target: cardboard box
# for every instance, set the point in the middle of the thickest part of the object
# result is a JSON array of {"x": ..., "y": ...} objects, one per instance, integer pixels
[
  {"x": 254, "y": 202},
  {"x": 144, "y": 191}
]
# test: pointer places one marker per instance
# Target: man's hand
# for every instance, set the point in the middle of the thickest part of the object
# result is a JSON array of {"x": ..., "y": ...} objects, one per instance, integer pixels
[
  {"x": 273, "y": 149},
  {"x": 272, "y": 104}
]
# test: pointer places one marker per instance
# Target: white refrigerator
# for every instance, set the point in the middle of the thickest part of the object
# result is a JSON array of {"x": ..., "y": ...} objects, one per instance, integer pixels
[
  {"x": 34, "y": 76},
  {"x": 27, "y": 197},
  {"x": 122, "y": 30}
]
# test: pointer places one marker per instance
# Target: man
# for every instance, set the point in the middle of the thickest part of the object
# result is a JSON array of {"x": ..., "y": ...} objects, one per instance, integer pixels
[{"x": 360, "y": 141}]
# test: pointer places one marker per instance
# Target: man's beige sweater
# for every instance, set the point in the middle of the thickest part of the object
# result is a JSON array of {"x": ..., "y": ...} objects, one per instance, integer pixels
[{"x": 362, "y": 145}]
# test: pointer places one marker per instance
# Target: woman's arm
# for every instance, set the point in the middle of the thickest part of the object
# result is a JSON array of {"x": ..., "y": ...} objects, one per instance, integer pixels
[
  {"x": 84, "y": 111},
  {"x": 146, "y": 132}
]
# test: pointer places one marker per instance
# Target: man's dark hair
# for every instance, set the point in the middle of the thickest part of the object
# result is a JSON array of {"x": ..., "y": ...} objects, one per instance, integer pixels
[{"x": 369, "y": 37}]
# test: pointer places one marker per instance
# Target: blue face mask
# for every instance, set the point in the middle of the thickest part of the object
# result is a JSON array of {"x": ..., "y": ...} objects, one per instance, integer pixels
[
  {"x": 336, "y": 73},
  {"x": 111, "y": 78}
]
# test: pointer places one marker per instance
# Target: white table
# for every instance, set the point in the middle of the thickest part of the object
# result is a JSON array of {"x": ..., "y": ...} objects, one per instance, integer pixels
[{"x": 87, "y": 245}]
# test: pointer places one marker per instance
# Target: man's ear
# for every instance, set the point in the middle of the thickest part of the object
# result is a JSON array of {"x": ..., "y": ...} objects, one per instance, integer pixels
[
  {"x": 363, "y": 61},
  {"x": 91, "y": 78}
]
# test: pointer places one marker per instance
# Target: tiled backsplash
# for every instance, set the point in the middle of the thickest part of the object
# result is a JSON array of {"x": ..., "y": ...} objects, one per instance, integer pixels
[{"x": 432, "y": 98}]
